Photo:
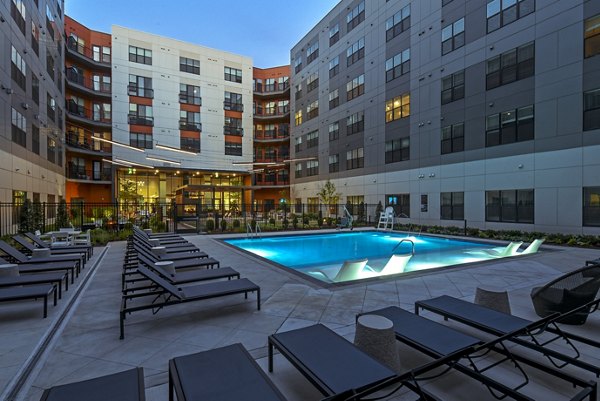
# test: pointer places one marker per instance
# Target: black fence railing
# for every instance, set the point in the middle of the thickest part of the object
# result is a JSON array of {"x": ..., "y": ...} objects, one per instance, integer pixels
[{"x": 188, "y": 217}]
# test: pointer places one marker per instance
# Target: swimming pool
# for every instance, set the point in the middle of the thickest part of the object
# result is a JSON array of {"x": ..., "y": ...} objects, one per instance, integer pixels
[{"x": 322, "y": 255}]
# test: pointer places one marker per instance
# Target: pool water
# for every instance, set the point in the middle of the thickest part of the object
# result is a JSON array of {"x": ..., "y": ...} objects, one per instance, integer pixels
[{"x": 327, "y": 252}]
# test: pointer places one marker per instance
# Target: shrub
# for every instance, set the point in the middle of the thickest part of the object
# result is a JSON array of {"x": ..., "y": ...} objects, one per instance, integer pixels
[
  {"x": 295, "y": 221},
  {"x": 272, "y": 221},
  {"x": 210, "y": 225},
  {"x": 236, "y": 224},
  {"x": 223, "y": 224},
  {"x": 285, "y": 223}
]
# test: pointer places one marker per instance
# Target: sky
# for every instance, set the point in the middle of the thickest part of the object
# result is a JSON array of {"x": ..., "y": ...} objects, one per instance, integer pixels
[{"x": 264, "y": 30}]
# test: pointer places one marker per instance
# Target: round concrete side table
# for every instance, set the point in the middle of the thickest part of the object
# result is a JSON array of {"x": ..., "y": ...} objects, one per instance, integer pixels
[
  {"x": 159, "y": 250},
  {"x": 168, "y": 267},
  {"x": 9, "y": 270},
  {"x": 148, "y": 230},
  {"x": 493, "y": 298},
  {"x": 40, "y": 253},
  {"x": 375, "y": 335}
]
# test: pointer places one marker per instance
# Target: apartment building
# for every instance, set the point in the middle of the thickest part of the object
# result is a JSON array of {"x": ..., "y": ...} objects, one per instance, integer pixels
[
  {"x": 88, "y": 112},
  {"x": 31, "y": 106},
  {"x": 453, "y": 110},
  {"x": 271, "y": 179}
]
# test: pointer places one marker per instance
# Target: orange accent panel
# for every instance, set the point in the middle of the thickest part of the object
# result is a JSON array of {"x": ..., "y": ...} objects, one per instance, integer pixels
[
  {"x": 140, "y": 129},
  {"x": 234, "y": 114},
  {"x": 190, "y": 107},
  {"x": 275, "y": 72},
  {"x": 189, "y": 134},
  {"x": 94, "y": 193},
  {"x": 90, "y": 37},
  {"x": 144, "y": 101},
  {"x": 233, "y": 139}
]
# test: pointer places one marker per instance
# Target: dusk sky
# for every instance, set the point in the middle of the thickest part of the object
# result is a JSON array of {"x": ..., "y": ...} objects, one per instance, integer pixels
[{"x": 264, "y": 30}]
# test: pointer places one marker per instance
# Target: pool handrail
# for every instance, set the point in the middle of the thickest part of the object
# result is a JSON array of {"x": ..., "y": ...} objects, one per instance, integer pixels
[{"x": 400, "y": 243}]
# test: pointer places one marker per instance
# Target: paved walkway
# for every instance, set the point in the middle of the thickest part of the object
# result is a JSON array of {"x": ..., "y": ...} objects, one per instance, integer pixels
[{"x": 88, "y": 343}]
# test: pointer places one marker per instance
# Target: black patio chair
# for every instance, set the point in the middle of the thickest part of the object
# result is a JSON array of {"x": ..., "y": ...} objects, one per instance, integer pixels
[
  {"x": 37, "y": 268},
  {"x": 19, "y": 257},
  {"x": 568, "y": 292},
  {"x": 54, "y": 278},
  {"x": 592, "y": 262}
]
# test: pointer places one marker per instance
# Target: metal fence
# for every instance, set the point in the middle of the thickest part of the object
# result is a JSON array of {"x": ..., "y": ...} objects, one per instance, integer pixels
[{"x": 180, "y": 218}]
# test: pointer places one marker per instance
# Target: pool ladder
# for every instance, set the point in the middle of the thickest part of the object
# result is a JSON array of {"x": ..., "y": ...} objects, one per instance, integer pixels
[
  {"x": 412, "y": 252},
  {"x": 253, "y": 233}
]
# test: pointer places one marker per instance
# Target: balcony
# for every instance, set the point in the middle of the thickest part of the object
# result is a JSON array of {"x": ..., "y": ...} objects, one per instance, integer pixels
[
  {"x": 229, "y": 130},
  {"x": 272, "y": 114},
  {"x": 185, "y": 125},
  {"x": 189, "y": 99},
  {"x": 134, "y": 119},
  {"x": 271, "y": 136},
  {"x": 86, "y": 56},
  {"x": 80, "y": 173},
  {"x": 79, "y": 83},
  {"x": 134, "y": 90},
  {"x": 86, "y": 144},
  {"x": 233, "y": 106},
  {"x": 273, "y": 90},
  {"x": 82, "y": 115}
]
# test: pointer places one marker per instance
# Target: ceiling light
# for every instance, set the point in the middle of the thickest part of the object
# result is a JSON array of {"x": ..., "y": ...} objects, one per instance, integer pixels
[
  {"x": 164, "y": 147},
  {"x": 116, "y": 162},
  {"x": 158, "y": 159},
  {"x": 95, "y": 138},
  {"x": 133, "y": 163}
]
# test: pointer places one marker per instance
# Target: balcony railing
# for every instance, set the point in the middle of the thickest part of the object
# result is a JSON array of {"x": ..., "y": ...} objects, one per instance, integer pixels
[
  {"x": 271, "y": 135},
  {"x": 228, "y": 130},
  {"x": 86, "y": 142},
  {"x": 81, "y": 173},
  {"x": 264, "y": 182},
  {"x": 233, "y": 106},
  {"x": 87, "y": 52},
  {"x": 276, "y": 112},
  {"x": 134, "y": 119},
  {"x": 189, "y": 99},
  {"x": 271, "y": 88},
  {"x": 80, "y": 111},
  {"x": 101, "y": 87},
  {"x": 189, "y": 126},
  {"x": 134, "y": 90}
]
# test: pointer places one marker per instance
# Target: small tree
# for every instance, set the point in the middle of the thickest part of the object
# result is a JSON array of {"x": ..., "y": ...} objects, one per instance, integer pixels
[
  {"x": 328, "y": 195},
  {"x": 37, "y": 216},
  {"x": 378, "y": 211},
  {"x": 62, "y": 219},
  {"x": 25, "y": 217},
  {"x": 361, "y": 212}
]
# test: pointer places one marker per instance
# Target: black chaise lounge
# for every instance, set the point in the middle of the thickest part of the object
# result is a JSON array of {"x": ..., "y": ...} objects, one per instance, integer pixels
[
  {"x": 55, "y": 278},
  {"x": 37, "y": 268},
  {"x": 43, "y": 244},
  {"x": 330, "y": 362},
  {"x": 29, "y": 292},
  {"x": 180, "y": 261},
  {"x": 164, "y": 294},
  {"x": 501, "y": 324},
  {"x": 123, "y": 386},
  {"x": 568, "y": 292},
  {"x": 170, "y": 256},
  {"x": 20, "y": 257},
  {"x": 28, "y": 247},
  {"x": 592, "y": 262},
  {"x": 438, "y": 341},
  {"x": 221, "y": 374}
]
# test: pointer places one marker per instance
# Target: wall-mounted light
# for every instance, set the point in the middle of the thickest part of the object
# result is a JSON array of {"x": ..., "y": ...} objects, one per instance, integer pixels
[
  {"x": 158, "y": 159},
  {"x": 431, "y": 175},
  {"x": 520, "y": 166},
  {"x": 123, "y": 145}
]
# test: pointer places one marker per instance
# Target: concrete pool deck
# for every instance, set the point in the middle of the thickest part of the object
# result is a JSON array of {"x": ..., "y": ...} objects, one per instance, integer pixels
[{"x": 87, "y": 343}]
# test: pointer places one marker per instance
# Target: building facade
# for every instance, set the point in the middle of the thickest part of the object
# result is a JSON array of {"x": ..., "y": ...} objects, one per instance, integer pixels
[
  {"x": 453, "y": 110},
  {"x": 31, "y": 101}
]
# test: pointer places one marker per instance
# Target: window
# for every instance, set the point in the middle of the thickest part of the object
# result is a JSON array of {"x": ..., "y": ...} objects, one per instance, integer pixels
[
  {"x": 510, "y": 126},
  {"x": 298, "y": 117},
  {"x": 233, "y": 75},
  {"x": 51, "y": 153},
  {"x": 397, "y": 150},
  {"x": 189, "y": 94},
  {"x": 49, "y": 21},
  {"x": 334, "y": 131},
  {"x": 140, "y": 115},
  {"x": 18, "y": 12},
  {"x": 192, "y": 66},
  {"x": 453, "y": 138},
  {"x": 591, "y": 42},
  {"x": 452, "y": 206},
  {"x": 591, "y": 206},
  {"x": 106, "y": 54},
  {"x": 233, "y": 126},
  {"x": 334, "y": 99},
  {"x": 591, "y": 110},
  {"x": 50, "y": 65},
  {"x": 233, "y": 102},
  {"x": 355, "y": 159},
  {"x": 334, "y": 163},
  {"x": 334, "y": 66},
  {"x": 334, "y": 34},
  {"x": 312, "y": 139},
  {"x": 18, "y": 69},
  {"x": 19, "y": 128},
  {"x": 140, "y": 140},
  {"x": 453, "y": 36},
  {"x": 312, "y": 168},
  {"x": 355, "y": 88},
  {"x": 140, "y": 55},
  {"x": 233, "y": 148},
  {"x": 453, "y": 87},
  {"x": 18, "y": 198},
  {"x": 400, "y": 203},
  {"x": 298, "y": 170},
  {"x": 397, "y": 108},
  {"x": 189, "y": 121},
  {"x": 355, "y": 123},
  {"x": 503, "y": 12},
  {"x": 298, "y": 144},
  {"x": 50, "y": 107},
  {"x": 298, "y": 64},
  {"x": 355, "y": 52},
  {"x": 512, "y": 206},
  {"x": 190, "y": 144},
  {"x": 511, "y": 66},
  {"x": 312, "y": 52},
  {"x": 140, "y": 86},
  {"x": 298, "y": 91},
  {"x": 312, "y": 82},
  {"x": 356, "y": 16},
  {"x": 35, "y": 38},
  {"x": 397, "y": 24},
  {"x": 312, "y": 110},
  {"x": 101, "y": 112},
  {"x": 35, "y": 139},
  {"x": 397, "y": 65}
]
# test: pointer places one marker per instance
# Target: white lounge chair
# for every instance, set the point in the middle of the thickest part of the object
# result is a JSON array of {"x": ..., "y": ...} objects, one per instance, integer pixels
[
  {"x": 395, "y": 265},
  {"x": 500, "y": 252},
  {"x": 533, "y": 247},
  {"x": 350, "y": 270},
  {"x": 386, "y": 217}
]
